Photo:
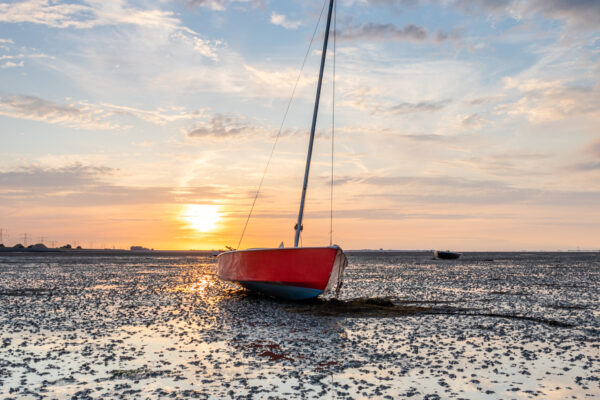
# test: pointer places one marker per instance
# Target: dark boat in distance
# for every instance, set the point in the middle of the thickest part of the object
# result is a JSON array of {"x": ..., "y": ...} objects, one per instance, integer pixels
[{"x": 446, "y": 255}]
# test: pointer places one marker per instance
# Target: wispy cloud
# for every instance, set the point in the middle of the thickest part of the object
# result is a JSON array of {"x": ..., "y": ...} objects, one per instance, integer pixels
[
  {"x": 586, "y": 166},
  {"x": 15, "y": 56},
  {"x": 474, "y": 120},
  {"x": 399, "y": 4},
  {"x": 453, "y": 190},
  {"x": 544, "y": 101},
  {"x": 11, "y": 64},
  {"x": 485, "y": 100},
  {"x": 221, "y": 126},
  {"x": 76, "y": 175},
  {"x": 91, "y": 14},
  {"x": 159, "y": 116},
  {"x": 593, "y": 148},
  {"x": 274, "y": 81},
  {"x": 34, "y": 108},
  {"x": 420, "y": 107},
  {"x": 85, "y": 15},
  {"x": 577, "y": 13},
  {"x": 87, "y": 185},
  {"x": 281, "y": 20},
  {"x": 368, "y": 103},
  {"x": 434, "y": 138},
  {"x": 204, "y": 47},
  {"x": 374, "y": 31},
  {"x": 85, "y": 115},
  {"x": 221, "y": 5},
  {"x": 589, "y": 158},
  {"x": 444, "y": 36}
]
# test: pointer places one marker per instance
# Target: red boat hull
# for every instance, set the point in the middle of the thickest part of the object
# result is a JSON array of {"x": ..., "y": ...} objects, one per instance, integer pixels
[{"x": 293, "y": 273}]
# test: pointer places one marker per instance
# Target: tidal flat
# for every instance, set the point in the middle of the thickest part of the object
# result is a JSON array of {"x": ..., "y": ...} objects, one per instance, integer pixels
[{"x": 486, "y": 326}]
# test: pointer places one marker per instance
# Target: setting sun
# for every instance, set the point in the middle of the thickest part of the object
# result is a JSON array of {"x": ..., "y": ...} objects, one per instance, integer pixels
[{"x": 202, "y": 217}]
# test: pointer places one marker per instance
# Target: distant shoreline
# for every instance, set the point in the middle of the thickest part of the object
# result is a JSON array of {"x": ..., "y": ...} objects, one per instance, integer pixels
[
  {"x": 108, "y": 252},
  {"x": 123, "y": 252}
]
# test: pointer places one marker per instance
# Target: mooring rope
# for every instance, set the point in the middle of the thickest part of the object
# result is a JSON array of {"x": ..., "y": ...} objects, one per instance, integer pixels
[{"x": 281, "y": 126}]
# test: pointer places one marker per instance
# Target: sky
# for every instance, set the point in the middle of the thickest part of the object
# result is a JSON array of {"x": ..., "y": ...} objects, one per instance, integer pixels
[{"x": 459, "y": 124}]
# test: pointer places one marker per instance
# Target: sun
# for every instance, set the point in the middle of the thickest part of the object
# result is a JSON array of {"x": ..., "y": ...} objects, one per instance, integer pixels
[{"x": 202, "y": 217}]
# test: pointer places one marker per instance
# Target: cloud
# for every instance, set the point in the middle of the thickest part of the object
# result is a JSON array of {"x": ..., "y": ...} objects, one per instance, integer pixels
[
  {"x": 577, "y": 13},
  {"x": 76, "y": 175},
  {"x": 421, "y": 107},
  {"x": 443, "y": 36},
  {"x": 206, "y": 48},
  {"x": 485, "y": 100},
  {"x": 159, "y": 116},
  {"x": 86, "y": 15},
  {"x": 586, "y": 12},
  {"x": 391, "y": 3},
  {"x": 511, "y": 164},
  {"x": 373, "y": 31},
  {"x": 593, "y": 148},
  {"x": 73, "y": 115},
  {"x": 20, "y": 53},
  {"x": 221, "y": 5},
  {"x": 221, "y": 126},
  {"x": 275, "y": 81},
  {"x": 452, "y": 190},
  {"x": 546, "y": 101},
  {"x": 84, "y": 115},
  {"x": 79, "y": 185},
  {"x": 474, "y": 120},
  {"x": 216, "y": 5},
  {"x": 367, "y": 101},
  {"x": 11, "y": 64},
  {"x": 429, "y": 138},
  {"x": 281, "y": 20},
  {"x": 95, "y": 13},
  {"x": 590, "y": 158},
  {"x": 587, "y": 166}
]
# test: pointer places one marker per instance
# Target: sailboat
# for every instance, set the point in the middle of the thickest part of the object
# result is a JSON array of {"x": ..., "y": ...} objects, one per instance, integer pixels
[{"x": 297, "y": 273}]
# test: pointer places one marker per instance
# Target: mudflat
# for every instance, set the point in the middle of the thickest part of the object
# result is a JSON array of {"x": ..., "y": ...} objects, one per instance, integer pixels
[{"x": 486, "y": 326}]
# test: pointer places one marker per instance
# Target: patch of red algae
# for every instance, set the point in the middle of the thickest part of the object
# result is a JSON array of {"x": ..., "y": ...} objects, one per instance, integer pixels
[
  {"x": 274, "y": 356},
  {"x": 268, "y": 353}
]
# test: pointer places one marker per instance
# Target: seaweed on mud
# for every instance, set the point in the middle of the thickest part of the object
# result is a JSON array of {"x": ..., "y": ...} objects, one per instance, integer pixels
[
  {"x": 361, "y": 307},
  {"x": 561, "y": 306},
  {"x": 386, "y": 308},
  {"x": 136, "y": 374},
  {"x": 26, "y": 292}
]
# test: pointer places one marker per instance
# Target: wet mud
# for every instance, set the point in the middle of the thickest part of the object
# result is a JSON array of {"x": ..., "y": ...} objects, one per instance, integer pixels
[{"x": 521, "y": 326}]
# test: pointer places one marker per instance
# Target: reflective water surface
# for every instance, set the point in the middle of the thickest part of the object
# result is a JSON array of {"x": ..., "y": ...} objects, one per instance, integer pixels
[{"x": 489, "y": 325}]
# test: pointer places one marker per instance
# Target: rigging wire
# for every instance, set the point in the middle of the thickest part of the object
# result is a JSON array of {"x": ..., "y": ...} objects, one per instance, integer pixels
[
  {"x": 332, "y": 123},
  {"x": 281, "y": 126}
]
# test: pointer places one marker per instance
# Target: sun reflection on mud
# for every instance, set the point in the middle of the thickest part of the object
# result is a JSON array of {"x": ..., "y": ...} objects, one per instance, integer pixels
[{"x": 198, "y": 283}]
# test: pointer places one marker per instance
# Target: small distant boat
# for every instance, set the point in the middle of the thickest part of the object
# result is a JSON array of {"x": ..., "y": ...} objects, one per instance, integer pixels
[{"x": 446, "y": 255}]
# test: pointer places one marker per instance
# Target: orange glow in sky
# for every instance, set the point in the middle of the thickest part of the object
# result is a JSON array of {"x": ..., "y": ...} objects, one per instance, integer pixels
[{"x": 462, "y": 125}]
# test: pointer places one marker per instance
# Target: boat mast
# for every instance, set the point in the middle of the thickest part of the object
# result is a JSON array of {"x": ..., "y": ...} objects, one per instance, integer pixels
[{"x": 312, "y": 129}]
